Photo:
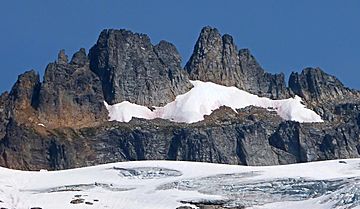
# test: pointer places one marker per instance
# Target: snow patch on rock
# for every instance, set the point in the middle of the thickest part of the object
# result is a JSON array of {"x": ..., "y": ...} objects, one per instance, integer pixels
[
  {"x": 204, "y": 98},
  {"x": 41, "y": 124}
]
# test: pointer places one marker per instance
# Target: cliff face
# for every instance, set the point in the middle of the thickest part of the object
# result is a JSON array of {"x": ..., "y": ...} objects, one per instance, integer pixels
[
  {"x": 132, "y": 69},
  {"x": 321, "y": 91},
  {"x": 217, "y": 59},
  {"x": 254, "y": 136},
  {"x": 4, "y": 113},
  {"x": 71, "y": 94},
  {"x": 61, "y": 122}
]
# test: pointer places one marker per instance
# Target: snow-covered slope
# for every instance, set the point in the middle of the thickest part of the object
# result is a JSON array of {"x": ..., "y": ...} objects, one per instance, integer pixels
[
  {"x": 168, "y": 185},
  {"x": 204, "y": 98}
]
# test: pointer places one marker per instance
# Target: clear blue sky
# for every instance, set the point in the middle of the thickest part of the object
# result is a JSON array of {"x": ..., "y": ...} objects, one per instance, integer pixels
[{"x": 284, "y": 35}]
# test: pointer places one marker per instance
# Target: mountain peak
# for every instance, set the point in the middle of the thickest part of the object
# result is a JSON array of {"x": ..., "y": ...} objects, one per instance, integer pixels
[
  {"x": 132, "y": 69},
  {"x": 316, "y": 86},
  {"x": 216, "y": 58},
  {"x": 313, "y": 83},
  {"x": 79, "y": 58},
  {"x": 126, "y": 67},
  {"x": 62, "y": 57},
  {"x": 209, "y": 31}
]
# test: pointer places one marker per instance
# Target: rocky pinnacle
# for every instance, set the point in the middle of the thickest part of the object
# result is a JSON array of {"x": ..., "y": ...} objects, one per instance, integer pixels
[{"x": 61, "y": 122}]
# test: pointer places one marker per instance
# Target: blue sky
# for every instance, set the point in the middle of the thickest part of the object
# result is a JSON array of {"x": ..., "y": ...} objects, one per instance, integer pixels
[{"x": 284, "y": 35}]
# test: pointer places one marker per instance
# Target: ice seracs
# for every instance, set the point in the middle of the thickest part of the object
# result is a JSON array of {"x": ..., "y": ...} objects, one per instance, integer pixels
[{"x": 204, "y": 98}]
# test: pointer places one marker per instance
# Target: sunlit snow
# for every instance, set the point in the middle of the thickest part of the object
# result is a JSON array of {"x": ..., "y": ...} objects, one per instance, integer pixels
[
  {"x": 204, "y": 98},
  {"x": 166, "y": 184},
  {"x": 41, "y": 124}
]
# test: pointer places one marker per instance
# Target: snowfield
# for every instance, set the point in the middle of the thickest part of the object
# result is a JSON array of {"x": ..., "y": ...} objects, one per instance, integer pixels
[
  {"x": 170, "y": 184},
  {"x": 204, "y": 98}
]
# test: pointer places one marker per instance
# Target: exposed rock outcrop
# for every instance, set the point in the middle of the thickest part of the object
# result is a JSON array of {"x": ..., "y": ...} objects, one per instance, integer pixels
[
  {"x": 209, "y": 204},
  {"x": 132, "y": 69},
  {"x": 4, "y": 113},
  {"x": 259, "y": 82},
  {"x": 314, "y": 84},
  {"x": 61, "y": 122},
  {"x": 23, "y": 97},
  {"x": 254, "y": 136},
  {"x": 71, "y": 94},
  {"x": 321, "y": 91},
  {"x": 18, "y": 105},
  {"x": 217, "y": 59}
]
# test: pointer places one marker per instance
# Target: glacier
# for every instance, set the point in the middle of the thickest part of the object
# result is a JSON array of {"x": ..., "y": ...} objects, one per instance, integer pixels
[{"x": 171, "y": 184}]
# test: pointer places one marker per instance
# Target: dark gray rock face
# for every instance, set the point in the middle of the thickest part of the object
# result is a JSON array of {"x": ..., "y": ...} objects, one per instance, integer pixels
[
  {"x": 4, "y": 113},
  {"x": 132, "y": 69},
  {"x": 314, "y": 84},
  {"x": 254, "y": 136},
  {"x": 126, "y": 66},
  {"x": 216, "y": 59},
  {"x": 321, "y": 91},
  {"x": 80, "y": 58},
  {"x": 23, "y": 147},
  {"x": 259, "y": 82}
]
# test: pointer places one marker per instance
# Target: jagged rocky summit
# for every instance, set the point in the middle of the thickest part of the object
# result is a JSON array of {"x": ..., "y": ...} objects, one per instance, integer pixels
[{"x": 61, "y": 122}]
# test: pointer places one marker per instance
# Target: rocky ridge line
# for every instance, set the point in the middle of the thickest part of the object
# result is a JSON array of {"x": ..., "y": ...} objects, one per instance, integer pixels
[{"x": 61, "y": 122}]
